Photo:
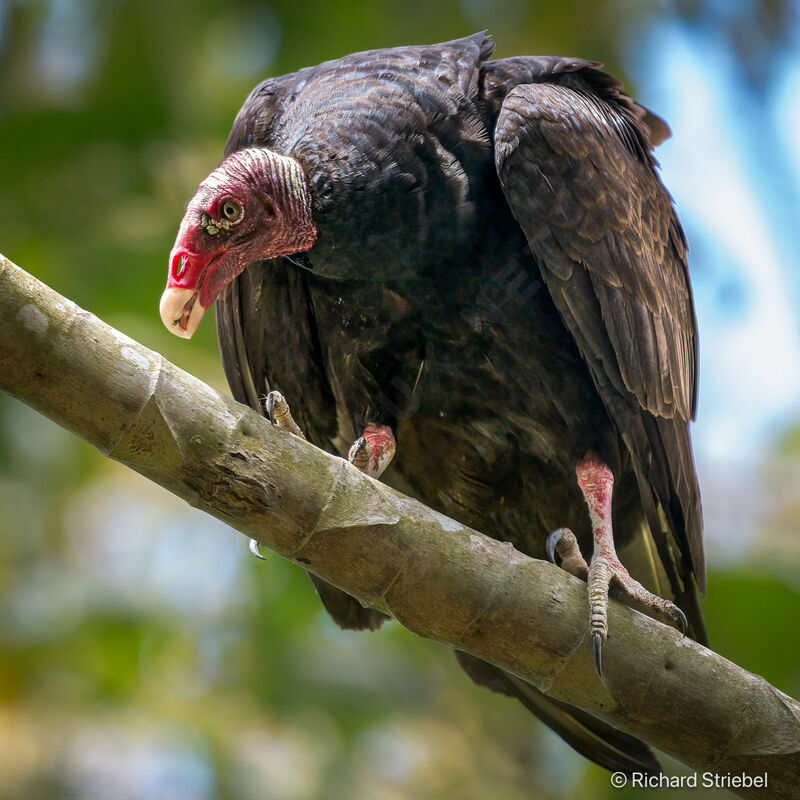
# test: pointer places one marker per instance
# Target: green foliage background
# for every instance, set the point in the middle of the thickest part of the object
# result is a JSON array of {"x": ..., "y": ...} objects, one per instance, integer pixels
[{"x": 143, "y": 654}]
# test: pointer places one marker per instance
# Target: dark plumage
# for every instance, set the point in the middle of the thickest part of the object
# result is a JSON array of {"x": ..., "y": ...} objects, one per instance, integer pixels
[{"x": 499, "y": 275}]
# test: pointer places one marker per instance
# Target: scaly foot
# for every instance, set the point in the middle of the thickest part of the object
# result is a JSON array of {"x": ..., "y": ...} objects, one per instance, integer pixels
[
  {"x": 280, "y": 415},
  {"x": 371, "y": 452},
  {"x": 605, "y": 571}
]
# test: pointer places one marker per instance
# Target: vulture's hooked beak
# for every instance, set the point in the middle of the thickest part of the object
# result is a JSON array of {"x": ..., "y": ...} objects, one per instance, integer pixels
[
  {"x": 180, "y": 311},
  {"x": 180, "y": 307}
]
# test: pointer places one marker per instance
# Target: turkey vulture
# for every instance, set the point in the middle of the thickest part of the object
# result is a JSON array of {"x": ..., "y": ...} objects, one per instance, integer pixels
[{"x": 476, "y": 260}]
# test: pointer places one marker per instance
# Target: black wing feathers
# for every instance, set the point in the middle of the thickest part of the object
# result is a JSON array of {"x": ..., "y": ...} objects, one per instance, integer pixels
[
  {"x": 575, "y": 165},
  {"x": 589, "y": 204}
]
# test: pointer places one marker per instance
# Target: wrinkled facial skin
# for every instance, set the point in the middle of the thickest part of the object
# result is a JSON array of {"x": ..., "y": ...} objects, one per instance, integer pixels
[{"x": 254, "y": 206}]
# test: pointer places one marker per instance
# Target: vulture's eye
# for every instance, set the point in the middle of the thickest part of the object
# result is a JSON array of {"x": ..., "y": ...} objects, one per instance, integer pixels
[{"x": 231, "y": 211}]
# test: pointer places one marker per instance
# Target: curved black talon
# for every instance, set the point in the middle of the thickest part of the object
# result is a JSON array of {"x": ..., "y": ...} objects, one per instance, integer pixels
[
  {"x": 271, "y": 415},
  {"x": 552, "y": 540},
  {"x": 598, "y": 653},
  {"x": 253, "y": 546},
  {"x": 682, "y": 621}
]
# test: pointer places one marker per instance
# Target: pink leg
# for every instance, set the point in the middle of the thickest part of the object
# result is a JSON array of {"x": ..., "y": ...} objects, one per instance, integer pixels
[
  {"x": 373, "y": 450},
  {"x": 605, "y": 571}
]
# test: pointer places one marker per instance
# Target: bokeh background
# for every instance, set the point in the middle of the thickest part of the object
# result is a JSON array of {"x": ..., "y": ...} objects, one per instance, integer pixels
[{"x": 143, "y": 653}]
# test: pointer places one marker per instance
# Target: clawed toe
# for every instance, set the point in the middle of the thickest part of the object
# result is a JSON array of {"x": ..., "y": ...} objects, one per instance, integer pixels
[
  {"x": 623, "y": 585},
  {"x": 370, "y": 453},
  {"x": 552, "y": 540},
  {"x": 608, "y": 576},
  {"x": 598, "y": 583},
  {"x": 564, "y": 543},
  {"x": 280, "y": 415},
  {"x": 680, "y": 619},
  {"x": 597, "y": 641},
  {"x": 359, "y": 454}
]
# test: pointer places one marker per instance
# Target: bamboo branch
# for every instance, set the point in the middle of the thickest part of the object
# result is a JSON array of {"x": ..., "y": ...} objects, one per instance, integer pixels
[{"x": 438, "y": 578}]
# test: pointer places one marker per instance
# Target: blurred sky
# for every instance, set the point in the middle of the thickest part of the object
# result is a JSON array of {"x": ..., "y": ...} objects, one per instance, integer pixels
[{"x": 733, "y": 167}]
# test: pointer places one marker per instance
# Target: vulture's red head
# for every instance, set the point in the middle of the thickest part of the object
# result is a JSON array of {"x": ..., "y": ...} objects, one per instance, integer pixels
[{"x": 254, "y": 205}]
